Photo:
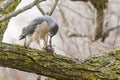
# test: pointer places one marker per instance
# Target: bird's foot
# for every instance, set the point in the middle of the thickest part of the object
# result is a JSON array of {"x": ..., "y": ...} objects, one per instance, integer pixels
[{"x": 49, "y": 48}]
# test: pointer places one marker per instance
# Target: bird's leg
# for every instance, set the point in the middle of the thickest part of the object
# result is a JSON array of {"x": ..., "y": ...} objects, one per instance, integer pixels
[
  {"x": 49, "y": 47},
  {"x": 38, "y": 44},
  {"x": 50, "y": 41},
  {"x": 46, "y": 41},
  {"x": 25, "y": 43}
]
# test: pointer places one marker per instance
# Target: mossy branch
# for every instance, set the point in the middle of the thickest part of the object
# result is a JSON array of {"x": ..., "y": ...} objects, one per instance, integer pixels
[
  {"x": 12, "y": 14},
  {"x": 8, "y": 9},
  {"x": 62, "y": 68}
]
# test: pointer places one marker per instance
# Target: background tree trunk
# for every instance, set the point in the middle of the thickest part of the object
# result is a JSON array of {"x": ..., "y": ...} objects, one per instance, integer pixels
[{"x": 99, "y": 5}]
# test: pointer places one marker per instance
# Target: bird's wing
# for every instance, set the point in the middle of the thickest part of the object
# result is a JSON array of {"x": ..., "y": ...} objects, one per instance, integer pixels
[{"x": 31, "y": 27}]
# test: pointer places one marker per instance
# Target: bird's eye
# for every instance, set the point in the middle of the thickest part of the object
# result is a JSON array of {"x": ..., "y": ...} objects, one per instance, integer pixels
[{"x": 52, "y": 33}]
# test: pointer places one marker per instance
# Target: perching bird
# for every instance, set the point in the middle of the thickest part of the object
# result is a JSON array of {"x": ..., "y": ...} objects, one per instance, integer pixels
[{"x": 38, "y": 29}]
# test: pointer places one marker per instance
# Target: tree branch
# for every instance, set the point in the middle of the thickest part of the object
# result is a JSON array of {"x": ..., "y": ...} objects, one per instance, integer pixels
[
  {"x": 74, "y": 34},
  {"x": 111, "y": 29},
  {"x": 40, "y": 9},
  {"x": 51, "y": 11},
  {"x": 53, "y": 8},
  {"x": 105, "y": 67},
  {"x": 76, "y": 12},
  {"x": 7, "y": 10},
  {"x": 106, "y": 33},
  {"x": 12, "y": 14},
  {"x": 5, "y": 4}
]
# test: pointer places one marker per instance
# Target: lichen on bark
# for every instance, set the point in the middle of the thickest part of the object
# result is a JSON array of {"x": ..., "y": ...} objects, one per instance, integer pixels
[{"x": 103, "y": 67}]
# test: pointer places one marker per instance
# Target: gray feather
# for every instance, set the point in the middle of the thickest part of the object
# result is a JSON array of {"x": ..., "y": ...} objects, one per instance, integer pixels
[{"x": 32, "y": 26}]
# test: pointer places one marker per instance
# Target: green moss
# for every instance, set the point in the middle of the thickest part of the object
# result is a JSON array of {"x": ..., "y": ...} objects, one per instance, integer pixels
[
  {"x": 46, "y": 65},
  {"x": 20, "y": 48},
  {"x": 51, "y": 79},
  {"x": 93, "y": 78},
  {"x": 1, "y": 1},
  {"x": 3, "y": 26},
  {"x": 11, "y": 7},
  {"x": 117, "y": 52}
]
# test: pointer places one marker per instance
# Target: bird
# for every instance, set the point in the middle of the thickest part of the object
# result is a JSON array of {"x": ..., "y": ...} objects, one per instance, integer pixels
[{"x": 38, "y": 29}]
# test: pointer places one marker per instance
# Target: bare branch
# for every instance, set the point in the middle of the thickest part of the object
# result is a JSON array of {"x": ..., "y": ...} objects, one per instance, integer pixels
[
  {"x": 12, "y": 14},
  {"x": 77, "y": 12},
  {"x": 53, "y": 8},
  {"x": 51, "y": 11},
  {"x": 106, "y": 33},
  {"x": 111, "y": 29},
  {"x": 5, "y": 4},
  {"x": 74, "y": 34},
  {"x": 40, "y": 9}
]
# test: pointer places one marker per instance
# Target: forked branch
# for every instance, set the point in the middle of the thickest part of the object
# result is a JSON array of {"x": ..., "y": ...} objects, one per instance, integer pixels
[{"x": 12, "y": 14}]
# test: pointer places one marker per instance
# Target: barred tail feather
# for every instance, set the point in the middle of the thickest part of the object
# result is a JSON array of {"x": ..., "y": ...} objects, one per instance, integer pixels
[{"x": 21, "y": 37}]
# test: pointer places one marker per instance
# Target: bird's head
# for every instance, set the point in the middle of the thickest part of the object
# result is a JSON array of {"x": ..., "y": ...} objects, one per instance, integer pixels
[{"x": 54, "y": 30}]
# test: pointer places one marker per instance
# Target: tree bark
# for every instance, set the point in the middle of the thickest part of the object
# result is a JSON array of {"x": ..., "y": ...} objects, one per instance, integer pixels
[
  {"x": 105, "y": 67},
  {"x": 100, "y": 5}
]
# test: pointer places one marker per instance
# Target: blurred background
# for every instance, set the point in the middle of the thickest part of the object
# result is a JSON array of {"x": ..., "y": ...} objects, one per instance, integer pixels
[{"x": 75, "y": 38}]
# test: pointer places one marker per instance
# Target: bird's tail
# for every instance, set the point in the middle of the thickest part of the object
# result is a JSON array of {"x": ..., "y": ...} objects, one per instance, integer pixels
[{"x": 22, "y": 36}]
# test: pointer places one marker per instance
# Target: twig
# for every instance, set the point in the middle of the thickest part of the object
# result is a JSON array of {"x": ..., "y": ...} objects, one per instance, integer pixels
[
  {"x": 106, "y": 33},
  {"x": 51, "y": 11},
  {"x": 53, "y": 8},
  {"x": 40, "y": 9},
  {"x": 76, "y": 12},
  {"x": 12, "y": 14},
  {"x": 5, "y": 4},
  {"x": 111, "y": 29},
  {"x": 74, "y": 34}
]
